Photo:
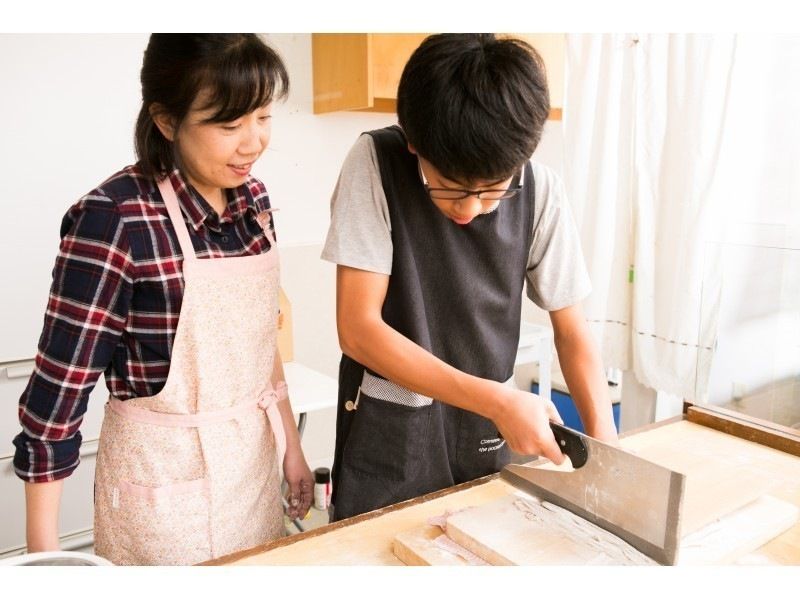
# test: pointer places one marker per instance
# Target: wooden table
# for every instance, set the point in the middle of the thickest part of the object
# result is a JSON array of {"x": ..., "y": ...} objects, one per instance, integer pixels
[{"x": 690, "y": 443}]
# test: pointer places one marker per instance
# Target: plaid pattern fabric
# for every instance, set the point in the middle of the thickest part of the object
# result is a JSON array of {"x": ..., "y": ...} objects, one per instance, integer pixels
[{"x": 114, "y": 304}]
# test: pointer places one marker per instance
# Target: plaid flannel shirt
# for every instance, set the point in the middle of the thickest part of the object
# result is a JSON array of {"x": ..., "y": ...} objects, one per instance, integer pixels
[{"x": 114, "y": 304}]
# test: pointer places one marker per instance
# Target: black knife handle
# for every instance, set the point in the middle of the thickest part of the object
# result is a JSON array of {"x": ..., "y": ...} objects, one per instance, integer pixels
[{"x": 571, "y": 444}]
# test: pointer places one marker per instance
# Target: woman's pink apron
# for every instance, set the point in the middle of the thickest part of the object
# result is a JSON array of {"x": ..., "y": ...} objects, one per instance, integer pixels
[{"x": 194, "y": 472}]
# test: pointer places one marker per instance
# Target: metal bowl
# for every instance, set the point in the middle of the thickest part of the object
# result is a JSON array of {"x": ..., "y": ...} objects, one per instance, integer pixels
[{"x": 56, "y": 558}]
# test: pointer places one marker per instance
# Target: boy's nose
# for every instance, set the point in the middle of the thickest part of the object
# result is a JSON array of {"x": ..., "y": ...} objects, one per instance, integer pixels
[{"x": 469, "y": 207}]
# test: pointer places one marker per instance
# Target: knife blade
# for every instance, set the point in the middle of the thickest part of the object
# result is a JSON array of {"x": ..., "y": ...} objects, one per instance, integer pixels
[{"x": 633, "y": 498}]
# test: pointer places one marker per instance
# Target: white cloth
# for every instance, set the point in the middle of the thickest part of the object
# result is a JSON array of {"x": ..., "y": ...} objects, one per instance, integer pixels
[
  {"x": 597, "y": 176},
  {"x": 759, "y": 177},
  {"x": 644, "y": 118}
]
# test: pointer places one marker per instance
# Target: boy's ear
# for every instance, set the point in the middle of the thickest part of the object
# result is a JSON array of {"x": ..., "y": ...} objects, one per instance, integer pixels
[
  {"x": 411, "y": 148},
  {"x": 164, "y": 122}
]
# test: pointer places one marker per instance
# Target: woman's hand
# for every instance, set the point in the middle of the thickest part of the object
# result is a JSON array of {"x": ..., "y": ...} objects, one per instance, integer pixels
[
  {"x": 41, "y": 502},
  {"x": 300, "y": 481}
]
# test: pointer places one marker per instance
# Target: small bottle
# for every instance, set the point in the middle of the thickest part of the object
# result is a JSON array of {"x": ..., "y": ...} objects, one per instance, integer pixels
[{"x": 322, "y": 488}]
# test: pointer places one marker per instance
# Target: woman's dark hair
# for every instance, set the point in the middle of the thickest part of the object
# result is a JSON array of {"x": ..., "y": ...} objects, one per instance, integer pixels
[
  {"x": 473, "y": 105},
  {"x": 240, "y": 71}
]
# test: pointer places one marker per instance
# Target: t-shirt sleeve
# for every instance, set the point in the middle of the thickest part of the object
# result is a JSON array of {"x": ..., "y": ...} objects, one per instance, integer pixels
[
  {"x": 360, "y": 235},
  {"x": 556, "y": 274}
]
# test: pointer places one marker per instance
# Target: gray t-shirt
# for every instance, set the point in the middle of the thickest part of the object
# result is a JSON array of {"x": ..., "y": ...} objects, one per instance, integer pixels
[{"x": 360, "y": 231}]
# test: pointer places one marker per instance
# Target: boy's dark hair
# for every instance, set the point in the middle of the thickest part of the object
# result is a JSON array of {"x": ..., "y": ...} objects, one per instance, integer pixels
[
  {"x": 473, "y": 105},
  {"x": 240, "y": 70}
]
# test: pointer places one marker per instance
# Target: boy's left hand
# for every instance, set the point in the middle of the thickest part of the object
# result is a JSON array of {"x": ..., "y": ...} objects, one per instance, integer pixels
[
  {"x": 301, "y": 484},
  {"x": 606, "y": 432}
]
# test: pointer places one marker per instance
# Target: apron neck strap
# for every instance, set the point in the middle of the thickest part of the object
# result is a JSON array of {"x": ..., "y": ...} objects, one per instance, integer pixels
[{"x": 175, "y": 215}]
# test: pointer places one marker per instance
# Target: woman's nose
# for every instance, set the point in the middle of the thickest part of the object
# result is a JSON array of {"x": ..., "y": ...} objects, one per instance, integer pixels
[{"x": 253, "y": 141}]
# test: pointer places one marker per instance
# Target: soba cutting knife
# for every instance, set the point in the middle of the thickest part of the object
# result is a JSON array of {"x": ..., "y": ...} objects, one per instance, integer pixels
[{"x": 631, "y": 497}]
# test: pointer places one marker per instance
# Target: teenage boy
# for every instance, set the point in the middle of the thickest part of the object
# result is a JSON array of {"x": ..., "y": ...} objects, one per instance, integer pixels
[{"x": 436, "y": 225}]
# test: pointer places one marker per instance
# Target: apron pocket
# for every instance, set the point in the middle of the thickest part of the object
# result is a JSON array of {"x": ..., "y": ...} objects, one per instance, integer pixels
[
  {"x": 164, "y": 525},
  {"x": 387, "y": 440},
  {"x": 384, "y": 390},
  {"x": 160, "y": 493},
  {"x": 479, "y": 449}
]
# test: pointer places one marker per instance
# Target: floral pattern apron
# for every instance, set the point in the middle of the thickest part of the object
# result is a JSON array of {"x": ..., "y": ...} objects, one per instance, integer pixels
[{"x": 194, "y": 472}]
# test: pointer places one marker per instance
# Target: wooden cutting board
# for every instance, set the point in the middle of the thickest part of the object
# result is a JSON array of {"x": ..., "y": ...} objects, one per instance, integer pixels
[
  {"x": 718, "y": 480},
  {"x": 523, "y": 530},
  {"x": 367, "y": 540},
  {"x": 724, "y": 541},
  {"x": 726, "y": 510},
  {"x": 518, "y": 530},
  {"x": 428, "y": 545}
]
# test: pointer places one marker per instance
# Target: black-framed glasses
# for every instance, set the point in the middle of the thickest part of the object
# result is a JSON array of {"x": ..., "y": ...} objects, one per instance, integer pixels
[{"x": 449, "y": 194}]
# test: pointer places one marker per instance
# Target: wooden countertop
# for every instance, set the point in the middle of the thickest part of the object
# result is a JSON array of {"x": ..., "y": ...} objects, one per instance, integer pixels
[{"x": 693, "y": 449}]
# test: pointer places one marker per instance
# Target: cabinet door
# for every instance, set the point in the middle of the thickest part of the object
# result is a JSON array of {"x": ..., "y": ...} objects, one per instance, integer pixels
[
  {"x": 552, "y": 48},
  {"x": 390, "y": 53},
  {"x": 342, "y": 67},
  {"x": 361, "y": 71}
]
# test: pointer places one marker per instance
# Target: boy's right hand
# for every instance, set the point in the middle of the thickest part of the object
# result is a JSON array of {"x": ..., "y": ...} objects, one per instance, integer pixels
[{"x": 523, "y": 419}]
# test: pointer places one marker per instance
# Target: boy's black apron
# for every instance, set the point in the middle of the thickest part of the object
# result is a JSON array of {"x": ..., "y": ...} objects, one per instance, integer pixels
[{"x": 455, "y": 291}]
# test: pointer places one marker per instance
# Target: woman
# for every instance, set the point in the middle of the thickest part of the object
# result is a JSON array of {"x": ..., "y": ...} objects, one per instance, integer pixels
[{"x": 167, "y": 281}]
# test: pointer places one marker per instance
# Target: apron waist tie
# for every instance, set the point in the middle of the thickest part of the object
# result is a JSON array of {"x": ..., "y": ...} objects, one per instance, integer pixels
[{"x": 267, "y": 401}]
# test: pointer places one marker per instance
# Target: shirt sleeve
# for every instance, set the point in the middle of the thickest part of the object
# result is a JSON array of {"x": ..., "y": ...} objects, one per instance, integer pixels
[
  {"x": 84, "y": 320},
  {"x": 556, "y": 273},
  {"x": 360, "y": 234}
]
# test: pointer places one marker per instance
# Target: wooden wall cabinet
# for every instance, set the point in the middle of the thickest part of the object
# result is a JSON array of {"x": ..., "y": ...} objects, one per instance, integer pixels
[{"x": 361, "y": 71}]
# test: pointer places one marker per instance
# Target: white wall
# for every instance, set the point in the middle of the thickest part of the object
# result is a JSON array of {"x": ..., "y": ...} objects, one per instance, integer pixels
[
  {"x": 69, "y": 104},
  {"x": 302, "y": 163},
  {"x": 68, "y": 107}
]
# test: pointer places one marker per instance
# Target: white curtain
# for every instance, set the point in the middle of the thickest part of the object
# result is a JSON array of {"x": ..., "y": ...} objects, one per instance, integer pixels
[
  {"x": 598, "y": 125},
  {"x": 644, "y": 119},
  {"x": 758, "y": 352}
]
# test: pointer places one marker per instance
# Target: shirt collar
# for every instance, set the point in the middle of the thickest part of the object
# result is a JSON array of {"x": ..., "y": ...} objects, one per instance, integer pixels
[{"x": 197, "y": 210}]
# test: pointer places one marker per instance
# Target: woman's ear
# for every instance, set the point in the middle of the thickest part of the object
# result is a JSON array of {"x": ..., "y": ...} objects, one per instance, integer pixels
[
  {"x": 164, "y": 122},
  {"x": 412, "y": 149}
]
